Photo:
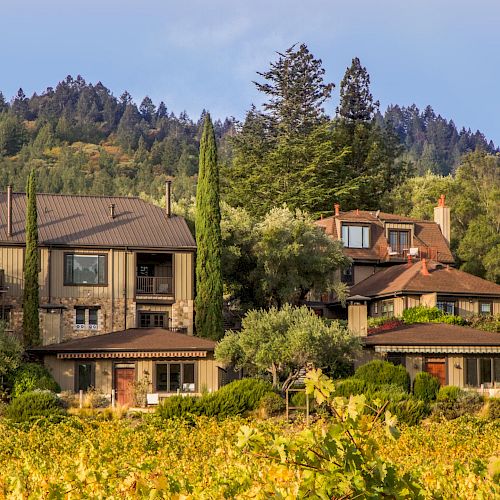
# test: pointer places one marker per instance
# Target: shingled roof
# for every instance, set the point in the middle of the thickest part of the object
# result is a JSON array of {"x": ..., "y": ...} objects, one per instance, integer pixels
[
  {"x": 426, "y": 234},
  {"x": 132, "y": 340},
  {"x": 409, "y": 278},
  {"x": 76, "y": 220},
  {"x": 433, "y": 334}
]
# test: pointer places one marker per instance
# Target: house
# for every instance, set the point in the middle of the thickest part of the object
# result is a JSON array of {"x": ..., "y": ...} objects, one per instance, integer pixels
[
  {"x": 376, "y": 240},
  {"x": 112, "y": 269},
  {"x": 456, "y": 355}
]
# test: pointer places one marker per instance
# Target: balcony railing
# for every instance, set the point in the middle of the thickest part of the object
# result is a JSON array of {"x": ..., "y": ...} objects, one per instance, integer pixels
[
  {"x": 153, "y": 285},
  {"x": 417, "y": 252}
]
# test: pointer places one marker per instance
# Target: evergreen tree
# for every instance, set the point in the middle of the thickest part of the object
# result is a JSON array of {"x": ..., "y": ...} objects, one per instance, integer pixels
[
  {"x": 31, "y": 300},
  {"x": 209, "y": 239},
  {"x": 147, "y": 109},
  {"x": 20, "y": 105},
  {"x": 356, "y": 100},
  {"x": 3, "y": 105}
]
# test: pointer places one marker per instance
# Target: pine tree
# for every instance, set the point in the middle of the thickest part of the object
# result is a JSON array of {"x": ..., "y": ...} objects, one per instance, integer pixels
[
  {"x": 209, "y": 239},
  {"x": 356, "y": 100},
  {"x": 31, "y": 300}
]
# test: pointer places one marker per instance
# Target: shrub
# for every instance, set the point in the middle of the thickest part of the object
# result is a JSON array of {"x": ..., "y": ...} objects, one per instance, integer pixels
[
  {"x": 494, "y": 408},
  {"x": 424, "y": 314},
  {"x": 448, "y": 393},
  {"x": 34, "y": 404},
  {"x": 233, "y": 399},
  {"x": 350, "y": 386},
  {"x": 271, "y": 404},
  {"x": 467, "y": 403},
  {"x": 32, "y": 376},
  {"x": 426, "y": 387},
  {"x": 382, "y": 372},
  {"x": 409, "y": 411}
]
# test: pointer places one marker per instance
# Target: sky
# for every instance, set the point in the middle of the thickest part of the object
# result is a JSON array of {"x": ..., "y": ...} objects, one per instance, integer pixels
[{"x": 200, "y": 54}]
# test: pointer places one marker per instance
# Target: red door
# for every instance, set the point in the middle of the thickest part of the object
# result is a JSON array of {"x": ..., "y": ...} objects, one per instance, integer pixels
[
  {"x": 437, "y": 368},
  {"x": 124, "y": 385}
]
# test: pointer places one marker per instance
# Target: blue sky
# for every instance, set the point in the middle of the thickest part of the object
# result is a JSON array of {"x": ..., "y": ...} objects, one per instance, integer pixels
[{"x": 204, "y": 54}]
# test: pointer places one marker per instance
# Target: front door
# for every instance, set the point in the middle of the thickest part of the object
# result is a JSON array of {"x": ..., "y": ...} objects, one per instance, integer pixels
[
  {"x": 437, "y": 368},
  {"x": 124, "y": 385}
]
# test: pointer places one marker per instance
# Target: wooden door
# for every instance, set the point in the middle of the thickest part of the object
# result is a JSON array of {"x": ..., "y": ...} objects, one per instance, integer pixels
[
  {"x": 437, "y": 368},
  {"x": 124, "y": 385}
]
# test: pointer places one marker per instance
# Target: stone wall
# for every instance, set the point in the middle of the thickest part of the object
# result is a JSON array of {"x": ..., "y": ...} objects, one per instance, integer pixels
[{"x": 183, "y": 315}]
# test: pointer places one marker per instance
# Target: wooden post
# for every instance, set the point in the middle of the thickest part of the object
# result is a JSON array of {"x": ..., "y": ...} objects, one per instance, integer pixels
[
  {"x": 81, "y": 398},
  {"x": 113, "y": 398}
]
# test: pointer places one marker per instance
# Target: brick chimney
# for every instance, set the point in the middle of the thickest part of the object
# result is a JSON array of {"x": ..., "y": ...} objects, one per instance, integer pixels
[
  {"x": 112, "y": 214},
  {"x": 442, "y": 218},
  {"x": 337, "y": 209},
  {"x": 424, "y": 271}
]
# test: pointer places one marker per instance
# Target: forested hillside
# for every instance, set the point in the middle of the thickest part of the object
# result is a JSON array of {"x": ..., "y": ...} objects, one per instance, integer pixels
[{"x": 295, "y": 150}]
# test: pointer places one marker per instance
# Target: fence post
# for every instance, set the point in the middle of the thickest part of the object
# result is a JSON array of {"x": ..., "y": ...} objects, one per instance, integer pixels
[
  {"x": 113, "y": 398},
  {"x": 81, "y": 398}
]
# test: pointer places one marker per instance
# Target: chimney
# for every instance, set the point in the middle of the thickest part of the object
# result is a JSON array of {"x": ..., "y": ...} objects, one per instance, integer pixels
[
  {"x": 168, "y": 196},
  {"x": 357, "y": 315},
  {"x": 337, "y": 209},
  {"x": 410, "y": 261},
  {"x": 357, "y": 211},
  {"x": 9, "y": 211},
  {"x": 442, "y": 218},
  {"x": 112, "y": 211},
  {"x": 424, "y": 271}
]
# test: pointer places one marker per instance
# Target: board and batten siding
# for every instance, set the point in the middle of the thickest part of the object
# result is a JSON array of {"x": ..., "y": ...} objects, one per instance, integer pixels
[
  {"x": 12, "y": 262},
  {"x": 184, "y": 276},
  {"x": 63, "y": 371}
]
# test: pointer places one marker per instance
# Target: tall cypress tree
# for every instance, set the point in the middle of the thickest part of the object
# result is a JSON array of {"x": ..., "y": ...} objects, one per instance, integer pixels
[
  {"x": 31, "y": 300},
  {"x": 209, "y": 239}
]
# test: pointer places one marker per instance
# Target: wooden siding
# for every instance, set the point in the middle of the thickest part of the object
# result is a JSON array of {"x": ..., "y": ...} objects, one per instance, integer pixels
[
  {"x": 399, "y": 306},
  {"x": 414, "y": 365},
  {"x": 363, "y": 272},
  {"x": 12, "y": 262},
  {"x": 184, "y": 276},
  {"x": 455, "y": 374},
  {"x": 429, "y": 299},
  {"x": 358, "y": 319},
  {"x": 400, "y": 226},
  {"x": 63, "y": 372}
]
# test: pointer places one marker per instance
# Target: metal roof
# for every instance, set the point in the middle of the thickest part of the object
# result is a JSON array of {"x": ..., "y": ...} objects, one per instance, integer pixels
[{"x": 76, "y": 220}]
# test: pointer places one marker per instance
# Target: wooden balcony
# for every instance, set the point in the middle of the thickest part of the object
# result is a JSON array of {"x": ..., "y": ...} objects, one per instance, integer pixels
[{"x": 155, "y": 285}]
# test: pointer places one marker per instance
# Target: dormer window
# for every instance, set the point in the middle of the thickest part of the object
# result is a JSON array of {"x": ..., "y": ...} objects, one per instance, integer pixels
[{"x": 356, "y": 236}]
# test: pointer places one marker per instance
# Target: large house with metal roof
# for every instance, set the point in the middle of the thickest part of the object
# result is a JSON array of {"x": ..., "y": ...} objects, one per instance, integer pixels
[{"x": 109, "y": 267}]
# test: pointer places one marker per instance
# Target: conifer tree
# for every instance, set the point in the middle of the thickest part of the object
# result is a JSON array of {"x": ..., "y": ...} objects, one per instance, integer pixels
[
  {"x": 31, "y": 300},
  {"x": 356, "y": 100},
  {"x": 209, "y": 239}
]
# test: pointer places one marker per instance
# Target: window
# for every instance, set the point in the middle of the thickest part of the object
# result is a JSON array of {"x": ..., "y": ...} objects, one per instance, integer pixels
[
  {"x": 482, "y": 371},
  {"x": 387, "y": 308},
  {"x": 5, "y": 315},
  {"x": 375, "y": 308},
  {"x": 347, "y": 276},
  {"x": 485, "y": 308},
  {"x": 356, "y": 236},
  {"x": 399, "y": 241},
  {"x": 85, "y": 376},
  {"x": 84, "y": 269},
  {"x": 173, "y": 377},
  {"x": 86, "y": 318},
  {"x": 397, "y": 359},
  {"x": 149, "y": 319},
  {"x": 447, "y": 306}
]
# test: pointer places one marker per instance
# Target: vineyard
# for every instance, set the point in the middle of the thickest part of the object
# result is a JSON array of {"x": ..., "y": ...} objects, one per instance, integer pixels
[{"x": 148, "y": 457}]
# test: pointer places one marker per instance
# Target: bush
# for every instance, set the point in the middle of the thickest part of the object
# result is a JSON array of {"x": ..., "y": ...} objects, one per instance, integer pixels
[
  {"x": 426, "y": 387},
  {"x": 271, "y": 404},
  {"x": 467, "y": 403},
  {"x": 233, "y": 399},
  {"x": 382, "y": 373},
  {"x": 34, "y": 404},
  {"x": 409, "y": 411},
  {"x": 448, "y": 393},
  {"x": 494, "y": 408},
  {"x": 424, "y": 314},
  {"x": 350, "y": 386},
  {"x": 32, "y": 376}
]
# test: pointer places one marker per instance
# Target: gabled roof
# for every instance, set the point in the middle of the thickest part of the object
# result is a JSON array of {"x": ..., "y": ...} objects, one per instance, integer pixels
[
  {"x": 409, "y": 279},
  {"x": 427, "y": 234},
  {"x": 75, "y": 220},
  {"x": 131, "y": 340},
  {"x": 433, "y": 334}
]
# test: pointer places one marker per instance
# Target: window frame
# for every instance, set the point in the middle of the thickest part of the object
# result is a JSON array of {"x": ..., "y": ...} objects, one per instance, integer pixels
[
  {"x": 360, "y": 226},
  {"x": 399, "y": 249},
  {"x": 347, "y": 277},
  {"x": 447, "y": 302},
  {"x": 182, "y": 364},
  {"x": 77, "y": 375},
  {"x": 486, "y": 302},
  {"x": 477, "y": 362},
  {"x": 86, "y": 325},
  {"x": 383, "y": 305},
  {"x": 142, "y": 313},
  {"x": 69, "y": 281}
]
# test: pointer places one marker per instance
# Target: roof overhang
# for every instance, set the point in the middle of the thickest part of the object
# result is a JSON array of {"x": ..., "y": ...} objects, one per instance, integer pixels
[
  {"x": 428, "y": 349},
  {"x": 130, "y": 354}
]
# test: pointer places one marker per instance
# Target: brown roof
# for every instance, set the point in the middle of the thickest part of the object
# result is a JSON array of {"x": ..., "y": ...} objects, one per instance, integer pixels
[
  {"x": 427, "y": 234},
  {"x": 74, "y": 220},
  {"x": 441, "y": 279},
  {"x": 133, "y": 339},
  {"x": 433, "y": 334}
]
